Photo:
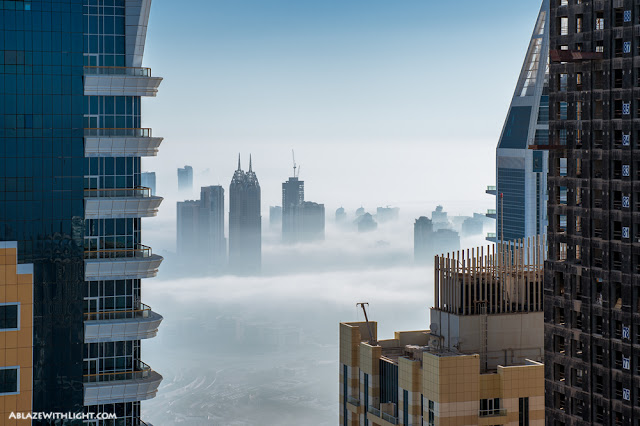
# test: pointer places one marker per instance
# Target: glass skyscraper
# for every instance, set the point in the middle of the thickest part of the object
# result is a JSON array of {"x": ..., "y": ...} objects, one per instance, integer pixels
[
  {"x": 71, "y": 141},
  {"x": 521, "y": 170}
]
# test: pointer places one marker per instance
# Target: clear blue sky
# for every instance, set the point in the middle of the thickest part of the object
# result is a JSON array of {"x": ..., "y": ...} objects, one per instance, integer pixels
[{"x": 365, "y": 88}]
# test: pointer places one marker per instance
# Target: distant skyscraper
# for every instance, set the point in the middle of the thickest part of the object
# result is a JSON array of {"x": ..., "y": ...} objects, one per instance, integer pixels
[
  {"x": 313, "y": 221},
  {"x": 200, "y": 229},
  {"x": 148, "y": 180},
  {"x": 185, "y": 178},
  {"x": 427, "y": 242},
  {"x": 439, "y": 216},
  {"x": 422, "y": 239},
  {"x": 212, "y": 224},
  {"x": 387, "y": 214},
  {"x": 521, "y": 169},
  {"x": 360, "y": 211},
  {"x": 366, "y": 223},
  {"x": 473, "y": 225},
  {"x": 188, "y": 229},
  {"x": 245, "y": 222},
  {"x": 292, "y": 199},
  {"x": 341, "y": 215},
  {"x": 275, "y": 217}
]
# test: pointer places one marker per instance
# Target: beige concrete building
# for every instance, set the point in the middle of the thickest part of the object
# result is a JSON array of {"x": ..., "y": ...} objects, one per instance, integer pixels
[
  {"x": 16, "y": 336},
  {"x": 480, "y": 361}
]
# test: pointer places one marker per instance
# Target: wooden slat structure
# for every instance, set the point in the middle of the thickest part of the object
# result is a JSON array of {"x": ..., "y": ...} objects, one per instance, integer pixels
[{"x": 506, "y": 278}]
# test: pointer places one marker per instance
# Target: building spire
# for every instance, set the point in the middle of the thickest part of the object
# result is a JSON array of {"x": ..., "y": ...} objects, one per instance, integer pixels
[
  {"x": 249, "y": 163},
  {"x": 239, "y": 168}
]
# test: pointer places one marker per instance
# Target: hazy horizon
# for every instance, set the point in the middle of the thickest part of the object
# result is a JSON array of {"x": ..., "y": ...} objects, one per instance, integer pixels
[{"x": 385, "y": 104}]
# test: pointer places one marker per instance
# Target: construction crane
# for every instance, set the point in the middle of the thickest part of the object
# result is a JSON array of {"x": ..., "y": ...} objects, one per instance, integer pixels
[{"x": 372, "y": 339}]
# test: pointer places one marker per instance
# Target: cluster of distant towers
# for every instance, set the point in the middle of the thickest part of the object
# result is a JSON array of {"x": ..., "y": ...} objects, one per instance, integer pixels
[{"x": 201, "y": 226}]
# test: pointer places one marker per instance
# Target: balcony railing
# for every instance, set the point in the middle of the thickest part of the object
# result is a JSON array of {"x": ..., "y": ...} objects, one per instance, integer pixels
[
  {"x": 139, "y": 192},
  {"x": 141, "y": 252},
  {"x": 491, "y": 188},
  {"x": 130, "y": 71},
  {"x": 388, "y": 417},
  {"x": 142, "y": 372},
  {"x": 143, "y": 312},
  {"x": 118, "y": 132},
  {"x": 391, "y": 419},
  {"x": 493, "y": 412},
  {"x": 353, "y": 401},
  {"x": 491, "y": 211}
]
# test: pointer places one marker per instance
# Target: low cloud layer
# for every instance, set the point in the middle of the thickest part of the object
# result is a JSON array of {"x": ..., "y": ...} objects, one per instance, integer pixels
[{"x": 264, "y": 350}]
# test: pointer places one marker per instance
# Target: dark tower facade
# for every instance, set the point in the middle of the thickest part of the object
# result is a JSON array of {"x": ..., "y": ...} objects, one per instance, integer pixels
[
  {"x": 592, "y": 277},
  {"x": 71, "y": 201},
  {"x": 292, "y": 200},
  {"x": 212, "y": 224},
  {"x": 245, "y": 222}
]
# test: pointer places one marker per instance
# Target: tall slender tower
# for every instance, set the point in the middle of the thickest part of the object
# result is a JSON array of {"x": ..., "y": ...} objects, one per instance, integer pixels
[
  {"x": 292, "y": 200},
  {"x": 71, "y": 204},
  {"x": 521, "y": 166},
  {"x": 245, "y": 222},
  {"x": 185, "y": 178},
  {"x": 200, "y": 240},
  {"x": 592, "y": 277},
  {"x": 212, "y": 225}
]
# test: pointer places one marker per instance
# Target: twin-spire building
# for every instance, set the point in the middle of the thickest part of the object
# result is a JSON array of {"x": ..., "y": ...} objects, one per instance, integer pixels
[{"x": 245, "y": 222}]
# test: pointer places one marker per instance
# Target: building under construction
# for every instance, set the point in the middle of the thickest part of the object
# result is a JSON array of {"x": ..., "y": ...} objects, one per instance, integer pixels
[{"x": 478, "y": 363}]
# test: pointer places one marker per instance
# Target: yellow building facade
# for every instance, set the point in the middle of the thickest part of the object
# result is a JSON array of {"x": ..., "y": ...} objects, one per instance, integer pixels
[
  {"x": 16, "y": 336},
  {"x": 433, "y": 387},
  {"x": 480, "y": 363}
]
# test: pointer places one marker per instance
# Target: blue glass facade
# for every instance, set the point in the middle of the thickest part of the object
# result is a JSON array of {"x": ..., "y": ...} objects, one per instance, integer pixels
[
  {"x": 511, "y": 186},
  {"x": 47, "y": 49},
  {"x": 516, "y": 128},
  {"x": 41, "y": 182}
]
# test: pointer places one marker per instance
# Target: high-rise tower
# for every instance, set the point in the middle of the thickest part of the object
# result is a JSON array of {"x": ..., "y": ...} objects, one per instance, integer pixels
[
  {"x": 592, "y": 277},
  {"x": 200, "y": 230},
  {"x": 245, "y": 222},
  {"x": 292, "y": 199},
  {"x": 185, "y": 178},
  {"x": 71, "y": 202},
  {"x": 148, "y": 180},
  {"x": 521, "y": 202},
  {"x": 212, "y": 224}
]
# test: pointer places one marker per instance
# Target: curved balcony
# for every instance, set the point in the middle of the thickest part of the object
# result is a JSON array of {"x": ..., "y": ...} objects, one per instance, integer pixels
[
  {"x": 120, "y": 203},
  {"x": 116, "y": 326},
  {"x": 491, "y": 213},
  {"x": 120, "y": 142},
  {"x": 113, "y": 388},
  {"x": 120, "y": 264},
  {"x": 120, "y": 81}
]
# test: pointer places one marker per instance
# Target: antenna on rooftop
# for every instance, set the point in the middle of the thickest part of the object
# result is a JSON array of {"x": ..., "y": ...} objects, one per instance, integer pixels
[{"x": 295, "y": 166}]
